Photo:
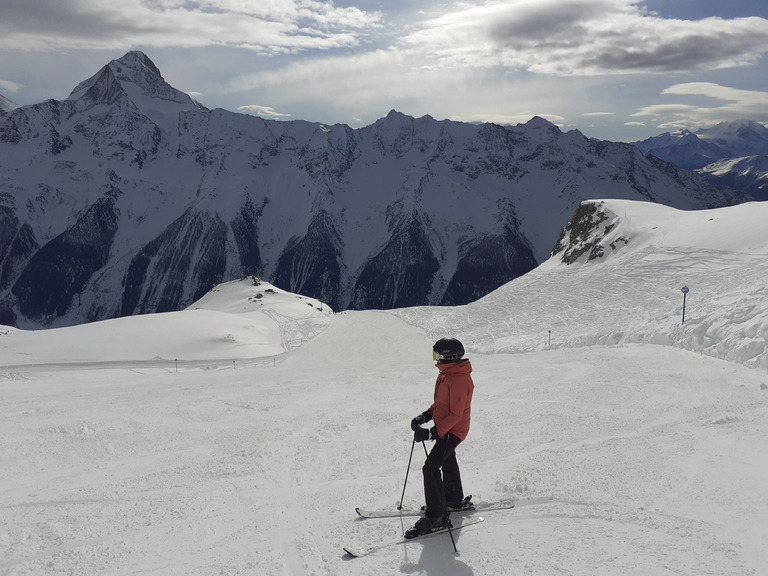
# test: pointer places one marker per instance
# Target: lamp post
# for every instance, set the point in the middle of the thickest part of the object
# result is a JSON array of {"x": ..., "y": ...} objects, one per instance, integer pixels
[{"x": 685, "y": 293}]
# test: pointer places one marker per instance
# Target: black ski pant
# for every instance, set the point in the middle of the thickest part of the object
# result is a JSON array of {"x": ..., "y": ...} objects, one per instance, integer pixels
[{"x": 442, "y": 479}]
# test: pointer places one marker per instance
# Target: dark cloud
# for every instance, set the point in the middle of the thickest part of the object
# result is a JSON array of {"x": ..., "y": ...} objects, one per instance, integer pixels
[
  {"x": 542, "y": 23},
  {"x": 46, "y": 24},
  {"x": 279, "y": 26},
  {"x": 686, "y": 54},
  {"x": 588, "y": 38},
  {"x": 58, "y": 18}
]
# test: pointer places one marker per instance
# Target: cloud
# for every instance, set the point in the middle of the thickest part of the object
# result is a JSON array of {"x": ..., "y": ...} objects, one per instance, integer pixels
[
  {"x": 560, "y": 37},
  {"x": 8, "y": 86},
  {"x": 263, "y": 111},
  {"x": 315, "y": 70},
  {"x": 362, "y": 87},
  {"x": 585, "y": 37},
  {"x": 734, "y": 104},
  {"x": 271, "y": 27},
  {"x": 347, "y": 80},
  {"x": 746, "y": 98}
]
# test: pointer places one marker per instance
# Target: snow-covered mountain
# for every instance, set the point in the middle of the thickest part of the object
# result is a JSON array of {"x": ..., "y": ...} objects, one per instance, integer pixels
[
  {"x": 237, "y": 436},
  {"x": 737, "y": 138},
  {"x": 726, "y": 140},
  {"x": 130, "y": 197},
  {"x": 749, "y": 174},
  {"x": 732, "y": 154}
]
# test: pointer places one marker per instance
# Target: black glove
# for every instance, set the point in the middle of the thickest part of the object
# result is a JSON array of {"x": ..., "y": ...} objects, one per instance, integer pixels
[
  {"x": 422, "y": 434},
  {"x": 420, "y": 419}
]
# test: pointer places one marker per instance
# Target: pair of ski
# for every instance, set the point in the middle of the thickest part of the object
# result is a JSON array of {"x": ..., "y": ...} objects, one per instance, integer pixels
[{"x": 479, "y": 508}]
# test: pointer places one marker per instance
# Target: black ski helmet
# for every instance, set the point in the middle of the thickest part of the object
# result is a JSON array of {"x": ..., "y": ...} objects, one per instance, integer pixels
[{"x": 448, "y": 350}]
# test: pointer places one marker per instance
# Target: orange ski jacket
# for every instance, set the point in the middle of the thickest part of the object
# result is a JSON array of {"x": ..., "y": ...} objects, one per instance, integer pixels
[{"x": 453, "y": 399}]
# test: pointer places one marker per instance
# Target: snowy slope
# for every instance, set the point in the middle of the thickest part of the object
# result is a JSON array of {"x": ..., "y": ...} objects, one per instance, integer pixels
[
  {"x": 632, "y": 294},
  {"x": 243, "y": 319},
  {"x": 625, "y": 456},
  {"x": 748, "y": 174}
]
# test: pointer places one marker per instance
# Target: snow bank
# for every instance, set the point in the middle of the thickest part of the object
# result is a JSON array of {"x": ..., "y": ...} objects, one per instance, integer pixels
[{"x": 632, "y": 293}]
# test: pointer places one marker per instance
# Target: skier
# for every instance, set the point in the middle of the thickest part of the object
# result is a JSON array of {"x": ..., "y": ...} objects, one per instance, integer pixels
[{"x": 450, "y": 412}]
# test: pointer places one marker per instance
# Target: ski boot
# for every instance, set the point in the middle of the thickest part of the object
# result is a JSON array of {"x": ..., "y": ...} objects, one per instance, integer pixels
[{"x": 427, "y": 525}]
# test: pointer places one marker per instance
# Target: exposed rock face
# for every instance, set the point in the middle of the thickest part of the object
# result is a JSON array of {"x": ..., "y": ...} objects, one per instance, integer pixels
[
  {"x": 583, "y": 234},
  {"x": 183, "y": 263},
  {"x": 58, "y": 271},
  {"x": 401, "y": 273},
  {"x": 313, "y": 263}
]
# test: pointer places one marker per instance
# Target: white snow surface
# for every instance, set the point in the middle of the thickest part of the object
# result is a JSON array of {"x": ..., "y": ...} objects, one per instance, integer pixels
[{"x": 238, "y": 436}]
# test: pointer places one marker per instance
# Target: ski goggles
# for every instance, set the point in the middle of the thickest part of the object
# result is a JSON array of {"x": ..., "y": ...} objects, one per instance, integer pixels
[{"x": 436, "y": 356}]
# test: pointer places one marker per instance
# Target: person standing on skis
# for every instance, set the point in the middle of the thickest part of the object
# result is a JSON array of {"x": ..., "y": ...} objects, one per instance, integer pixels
[{"x": 450, "y": 411}]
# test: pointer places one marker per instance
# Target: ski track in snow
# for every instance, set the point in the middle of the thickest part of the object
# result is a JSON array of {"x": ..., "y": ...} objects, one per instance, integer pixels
[{"x": 641, "y": 459}]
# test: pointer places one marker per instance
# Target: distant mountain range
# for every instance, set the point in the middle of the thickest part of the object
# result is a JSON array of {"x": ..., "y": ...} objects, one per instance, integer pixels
[
  {"x": 130, "y": 197},
  {"x": 733, "y": 154},
  {"x": 748, "y": 174}
]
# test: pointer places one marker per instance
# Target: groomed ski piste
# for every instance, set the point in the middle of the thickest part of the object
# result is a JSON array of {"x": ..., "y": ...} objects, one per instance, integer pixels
[{"x": 238, "y": 436}]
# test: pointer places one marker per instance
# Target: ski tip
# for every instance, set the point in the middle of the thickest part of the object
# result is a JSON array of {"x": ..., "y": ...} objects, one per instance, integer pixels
[
  {"x": 352, "y": 553},
  {"x": 358, "y": 513}
]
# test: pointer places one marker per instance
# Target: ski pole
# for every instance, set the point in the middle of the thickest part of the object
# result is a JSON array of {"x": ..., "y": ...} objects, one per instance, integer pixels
[
  {"x": 450, "y": 532},
  {"x": 406, "y": 474}
]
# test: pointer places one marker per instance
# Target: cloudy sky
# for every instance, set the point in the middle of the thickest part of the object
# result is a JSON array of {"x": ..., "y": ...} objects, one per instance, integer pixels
[{"x": 614, "y": 69}]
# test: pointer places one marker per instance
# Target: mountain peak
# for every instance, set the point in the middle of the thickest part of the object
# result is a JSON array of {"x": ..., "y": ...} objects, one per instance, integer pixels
[
  {"x": 136, "y": 67},
  {"x": 397, "y": 117},
  {"x": 134, "y": 75},
  {"x": 736, "y": 130},
  {"x": 694, "y": 150},
  {"x": 395, "y": 114},
  {"x": 537, "y": 122}
]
